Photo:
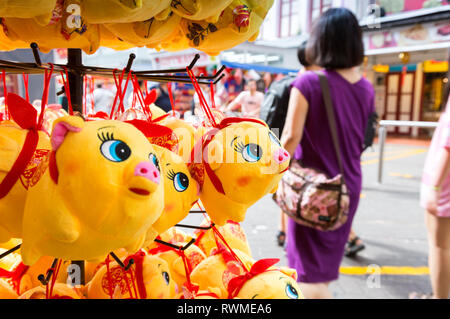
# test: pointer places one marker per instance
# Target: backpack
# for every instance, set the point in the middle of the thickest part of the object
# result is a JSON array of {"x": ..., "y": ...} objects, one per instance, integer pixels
[{"x": 275, "y": 105}]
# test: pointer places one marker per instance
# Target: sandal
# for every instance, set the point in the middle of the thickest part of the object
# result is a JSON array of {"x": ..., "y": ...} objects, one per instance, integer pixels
[
  {"x": 352, "y": 248},
  {"x": 281, "y": 238},
  {"x": 416, "y": 295}
]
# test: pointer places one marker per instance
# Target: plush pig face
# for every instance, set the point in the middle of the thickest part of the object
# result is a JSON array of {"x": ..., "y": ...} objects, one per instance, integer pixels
[
  {"x": 180, "y": 190},
  {"x": 247, "y": 162},
  {"x": 271, "y": 284},
  {"x": 151, "y": 277},
  {"x": 103, "y": 186}
]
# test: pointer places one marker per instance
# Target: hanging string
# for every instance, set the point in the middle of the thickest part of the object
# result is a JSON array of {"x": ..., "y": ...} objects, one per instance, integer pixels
[
  {"x": 172, "y": 103},
  {"x": 91, "y": 91},
  {"x": 213, "y": 101},
  {"x": 201, "y": 97},
  {"x": 119, "y": 94},
  {"x": 140, "y": 97},
  {"x": 108, "y": 277},
  {"x": 67, "y": 90},
  {"x": 47, "y": 79},
  {"x": 25, "y": 84},
  {"x": 84, "y": 106},
  {"x": 5, "y": 94}
]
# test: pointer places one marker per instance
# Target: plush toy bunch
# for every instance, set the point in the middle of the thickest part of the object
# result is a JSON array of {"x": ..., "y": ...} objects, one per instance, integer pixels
[
  {"x": 111, "y": 191},
  {"x": 209, "y": 26}
]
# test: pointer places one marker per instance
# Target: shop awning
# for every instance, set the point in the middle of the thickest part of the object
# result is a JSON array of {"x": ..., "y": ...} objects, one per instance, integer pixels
[{"x": 258, "y": 67}]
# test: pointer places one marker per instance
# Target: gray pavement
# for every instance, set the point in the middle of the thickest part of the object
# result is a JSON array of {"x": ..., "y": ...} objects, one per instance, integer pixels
[{"x": 389, "y": 220}]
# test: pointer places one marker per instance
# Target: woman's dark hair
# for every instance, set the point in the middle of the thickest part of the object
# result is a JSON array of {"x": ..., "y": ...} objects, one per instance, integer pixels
[
  {"x": 301, "y": 54},
  {"x": 336, "y": 40}
]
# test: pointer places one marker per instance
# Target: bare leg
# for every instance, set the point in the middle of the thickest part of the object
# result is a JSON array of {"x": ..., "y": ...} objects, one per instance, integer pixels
[
  {"x": 439, "y": 254},
  {"x": 316, "y": 290},
  {"x": 283, "y": 221}
]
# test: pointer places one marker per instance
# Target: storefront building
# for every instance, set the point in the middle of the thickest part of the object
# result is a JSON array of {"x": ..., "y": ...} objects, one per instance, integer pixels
[{"x": 407, "y": 49}]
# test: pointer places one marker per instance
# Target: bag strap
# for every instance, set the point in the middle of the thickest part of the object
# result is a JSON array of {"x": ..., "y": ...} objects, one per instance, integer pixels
[{"x": 331, "y": 118}]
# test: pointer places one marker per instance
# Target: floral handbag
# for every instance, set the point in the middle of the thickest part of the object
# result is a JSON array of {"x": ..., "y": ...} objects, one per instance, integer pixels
[{"x": 310, "y": 197}]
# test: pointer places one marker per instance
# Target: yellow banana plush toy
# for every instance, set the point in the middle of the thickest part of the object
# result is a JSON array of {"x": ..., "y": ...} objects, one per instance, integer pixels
[{"x": 102, "y": 191}]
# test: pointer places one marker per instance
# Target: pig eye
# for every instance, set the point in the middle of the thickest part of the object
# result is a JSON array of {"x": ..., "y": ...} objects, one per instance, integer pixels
[
  {"x": 274, "y": 139},
  {"x": 291, "y": 292},
  {"x": 166, "y": 277},
  {"x": 152, "y": 157},
  {"x": 115, "y": 150},
  {"x": 252, "y": 152},
  {"x": 180, "y": 180}
]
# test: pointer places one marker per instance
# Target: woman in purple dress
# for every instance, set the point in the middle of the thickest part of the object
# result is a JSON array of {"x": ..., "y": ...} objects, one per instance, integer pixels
[{"x": 336, "y": 45}]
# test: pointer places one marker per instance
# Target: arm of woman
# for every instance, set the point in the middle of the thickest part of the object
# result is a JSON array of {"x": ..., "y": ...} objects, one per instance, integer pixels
[
  {"x": 441, "y": 172},
  {"x": 295, "y": 121}
]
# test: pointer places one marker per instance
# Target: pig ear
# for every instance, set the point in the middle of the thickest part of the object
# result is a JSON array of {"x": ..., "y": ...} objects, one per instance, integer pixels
[
  {"x": 289, "y": 272},
  {"x": 64, "y": 125}
]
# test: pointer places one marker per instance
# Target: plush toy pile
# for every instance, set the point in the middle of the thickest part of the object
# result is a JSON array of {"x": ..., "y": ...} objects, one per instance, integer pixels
[
  {"x": 172, "y": 25},
  {"x": 111, "y": 192}
]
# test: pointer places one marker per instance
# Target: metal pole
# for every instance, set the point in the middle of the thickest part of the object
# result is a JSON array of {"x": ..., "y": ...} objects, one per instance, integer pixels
[
  {"x": 382, "y": 131},
  {"x": 74, "y": 58}
]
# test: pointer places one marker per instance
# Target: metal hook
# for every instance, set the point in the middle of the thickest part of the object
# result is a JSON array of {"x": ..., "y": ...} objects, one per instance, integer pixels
[
  {"x": 46, "y": 279},
  {"x": 130, "y": 62},
  {"x": 121, "y": 264},
  {"x": 196, "y": 227},
  {"x": 196, "y": 57},
  {"x": 35, "y": 49},
  {"x": 6, "y": 253}
]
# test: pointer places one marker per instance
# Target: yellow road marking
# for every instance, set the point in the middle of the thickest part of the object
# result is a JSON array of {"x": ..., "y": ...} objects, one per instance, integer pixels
[
  {"x": 407, "y": 176},
  {"x": 402, "y": 155},
  {"x": 376, "y": 154},
  {"x": 385, "y": 270}
]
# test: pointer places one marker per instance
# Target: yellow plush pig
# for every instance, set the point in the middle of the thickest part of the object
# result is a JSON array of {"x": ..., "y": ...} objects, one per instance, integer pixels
[
  {"x": 180, "y": 190},
  {"x": 263, "y": 281},
  {"x": 232, "y": 232},
  {"x": 23, "y": 160},
  {"x": 236, "y": 163},
  {"x": 59, "y": 291},
  {"x": 200, "y": 9},
  {"x": 148, "y": 33},
  {"x": 103, "y": 191},
  {"x": 121, "y": 11},
  {"x": 244, "y": 278},
  {"x": 238, "y": 22},
  {"x": 148, "y": 278},
  {"x": 217, "y": 270},
  {"x": 174, "y": 258}
]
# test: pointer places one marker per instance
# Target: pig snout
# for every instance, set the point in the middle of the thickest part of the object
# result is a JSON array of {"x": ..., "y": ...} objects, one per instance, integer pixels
[
  {"x": 281, "y": 156},
  {"x": 149, "y": 171}
]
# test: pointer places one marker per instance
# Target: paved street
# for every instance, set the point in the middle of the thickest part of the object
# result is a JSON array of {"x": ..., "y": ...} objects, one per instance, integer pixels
[{"x": 389, "y": 220}]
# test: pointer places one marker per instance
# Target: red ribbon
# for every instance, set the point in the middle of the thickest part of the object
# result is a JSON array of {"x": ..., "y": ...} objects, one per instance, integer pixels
[
  {"x": 15, "y": 275},
  {"x": 259, "y": 267}
]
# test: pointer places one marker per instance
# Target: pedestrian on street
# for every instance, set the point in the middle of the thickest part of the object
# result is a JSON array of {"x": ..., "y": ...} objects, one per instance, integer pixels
[
  {"x": 435, "y": 199},
  {"x": 103, "y": 99},
  {"x": 306, "y": 66},
  {"x": 336, "y": 45},
  {"x": 250, "y": 101}
]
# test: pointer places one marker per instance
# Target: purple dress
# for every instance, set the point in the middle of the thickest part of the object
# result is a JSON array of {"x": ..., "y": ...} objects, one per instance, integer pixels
[{"x": 317, "y": 255}]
